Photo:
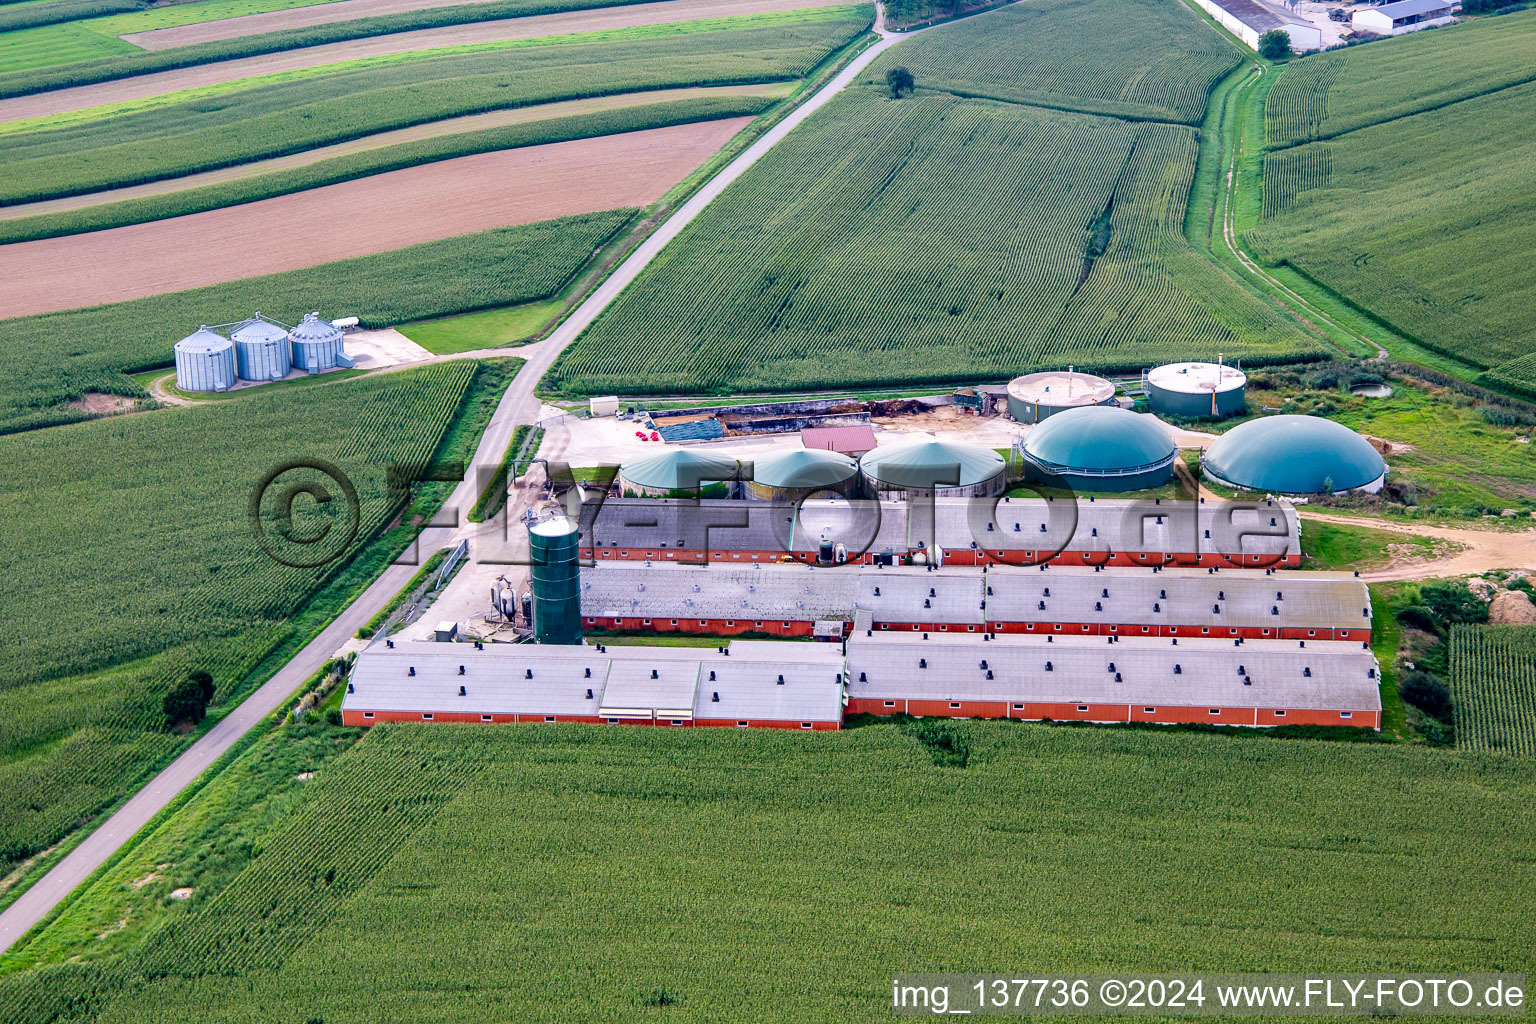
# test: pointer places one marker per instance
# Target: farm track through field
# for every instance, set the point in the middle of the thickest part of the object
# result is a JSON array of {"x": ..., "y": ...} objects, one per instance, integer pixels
[
  {"x": 430, "y": 130},
  {"x": 355, "y": 218},
  {"x": 81, "y": 97},
  {"x": 518, "y": 405},
  {"x": 1481, "y": 550}
]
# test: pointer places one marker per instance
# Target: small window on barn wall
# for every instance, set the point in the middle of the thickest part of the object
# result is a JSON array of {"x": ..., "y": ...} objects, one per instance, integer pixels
[
  {"x": 367, "y": 714},
  {"x": 677, "y": 721},
  {"x": 741, "y": 725},
  {"x": 674, "y": 622},
  {"x": 1346, "y": 714},
  {"x": 485, "y": 718},
  {"x": 758, "y": 625},
  {"x": 805, "y": 725},
  {"x": 954, "y": 704},
  {"x": 1082, "y": 707},
  {"x": 1018, "y": 707},
  {"x": 549, "y": 718},
  {"x": 1150, "y": 711},
  {"x": 613, "y": 721},
  {"x": 970, "y": 629},
  {"x": 1215, "y": 711},
  {"x": 646, "y": 621},
  {"x": 426, "y": 716},
  {"x": 591, "y": 622},
  {"x": 1279, "y": 714},
  {"x": 890, "y": 703},
  {"x": 703, "y": 622}
]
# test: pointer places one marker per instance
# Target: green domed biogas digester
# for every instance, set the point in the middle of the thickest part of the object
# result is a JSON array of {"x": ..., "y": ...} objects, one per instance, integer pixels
[{"x": 556, "y": 581}]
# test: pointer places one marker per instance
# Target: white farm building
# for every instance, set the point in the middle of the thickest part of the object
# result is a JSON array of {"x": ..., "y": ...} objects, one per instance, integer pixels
[
  {"x": 1250, "y": 19},
  {"x": 1403, "y": 16}
]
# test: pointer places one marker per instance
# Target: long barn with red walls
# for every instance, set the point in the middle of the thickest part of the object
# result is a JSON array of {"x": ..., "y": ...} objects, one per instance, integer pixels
[
  {"x": 1259, "y": 534},
  {"x": 790, "y": 600},
  {"x": 1107, "y": 679}
]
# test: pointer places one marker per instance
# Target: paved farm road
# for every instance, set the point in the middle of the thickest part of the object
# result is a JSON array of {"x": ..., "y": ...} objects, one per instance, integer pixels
[{"x": 517, "y": 406}]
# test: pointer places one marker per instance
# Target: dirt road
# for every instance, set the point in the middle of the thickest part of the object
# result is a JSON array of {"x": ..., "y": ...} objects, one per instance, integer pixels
[
  {"x": 356, "y": 218},
  {"x": 1482, "y": 550},
  {"x": 118, "y": 90}
]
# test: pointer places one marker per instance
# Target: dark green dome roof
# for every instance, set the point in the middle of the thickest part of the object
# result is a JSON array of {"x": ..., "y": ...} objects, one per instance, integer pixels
[
  {"x": 1294, "y": 455},
  {"x": 932, "y": 464},
  {"x": 1099, "y": 438},
  {"x": 804, "y": 468}
]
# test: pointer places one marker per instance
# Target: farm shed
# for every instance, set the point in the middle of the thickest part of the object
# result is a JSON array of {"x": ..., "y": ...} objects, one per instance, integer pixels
[
  {"x": 1256, "y": 683},
  {"x": 787, "y": 600},
  {"x": 1294, "y": 455},
  {"x": 1109, "y": 532},
  {"x": 1250, "y": 19},
  {"x": 798, "y": 473},
  {"x": 1100, "y": 448},
  {"x": 1036, "y": 396},
  {"x": 1197, "y": 390},
  {"x": 852, "y": 440},
  {"x": 945, "y": 468},
  {"x": 747, "y": 684},
  {"x": 1403, "y": 16},
  {"x": 205, "y": 361}
]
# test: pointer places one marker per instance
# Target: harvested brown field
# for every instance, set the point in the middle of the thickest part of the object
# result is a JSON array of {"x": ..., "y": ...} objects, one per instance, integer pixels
[
  {"x": 430, "y": 130},
  {"x": 355, "y": 218},
  {"x": 81, "y": 97}
]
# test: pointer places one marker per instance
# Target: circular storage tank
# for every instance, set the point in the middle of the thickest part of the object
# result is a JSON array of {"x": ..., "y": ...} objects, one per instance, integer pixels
[
  {"x": 555, "y": 581},
  {"x": 1197, "y": 390},
  {"x": 205, "y": 361},
  {"x": 942, "y": 468},
  {"x": 262, "y": 350},
  {"x": 1294, "y": 455},
  {"x": 1102, "y": 448},
  {"x": 1035, "y": 396},
  {"x": 802, "y": 472},
  {"x": 675, "y": 471},
  {"x": 316, "y": 345}
]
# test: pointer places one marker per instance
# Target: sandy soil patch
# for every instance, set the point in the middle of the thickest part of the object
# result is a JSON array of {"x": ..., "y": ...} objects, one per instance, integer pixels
[
  {"x": 139, "y": 883},
  {"x": 103, "y": 404},
  {"x": 1466, "y": 552},
  {"x": 181, "y": 894},
  {"x": 81, "y": 97},
  {"x": 431, "y": 130},
  {"x": 355, "y": 218}
]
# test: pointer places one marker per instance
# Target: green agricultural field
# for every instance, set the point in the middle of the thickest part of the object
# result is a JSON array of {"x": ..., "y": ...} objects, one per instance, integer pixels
[
  {"x": 960, "y": 239},
  {"x": 381, "y": 159},
  {"x": 1090, "y": 56},
  {"x": 1336, "y": 92},
  {"x": 573, "y": 873},
  {"x": 295, "y": 116},
  {"x": 1493, "y": 685},
  {"x": 1519, "y": 374},
  {"x": 45, "y": 362},
  {"x": 27, "y": 48},
  {"x": 134, "y": 536},
  {"x": 1428, "y": 222}
]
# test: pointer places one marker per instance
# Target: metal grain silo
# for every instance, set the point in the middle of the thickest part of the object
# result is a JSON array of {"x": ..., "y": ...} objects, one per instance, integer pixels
[
  {"x": 262, "y": 349},
  {"x": 802, "y": 472},
  {"x": 1197, "y": 390},
  {"x": 555, "y": 576},
  {"x": 317, "y": 345},
  {"x": 205, "y": 361},
  {"x": 1035, "y": 396}
]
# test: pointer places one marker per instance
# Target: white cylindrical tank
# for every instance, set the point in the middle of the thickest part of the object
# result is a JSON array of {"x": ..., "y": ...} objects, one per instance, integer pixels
[
  {"x": 262, "y": 350},
  {"x": 205, "y": 361},
  {"x": 317, "y": 345}
]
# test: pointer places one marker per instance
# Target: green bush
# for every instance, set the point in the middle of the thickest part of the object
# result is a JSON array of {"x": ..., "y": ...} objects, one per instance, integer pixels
[
  {"x": 187, "y": 701},
  {"x": 1427, "y": 693},
  {"x": 1275, "y": 44},
  {"x": 1418, "y": 616}
]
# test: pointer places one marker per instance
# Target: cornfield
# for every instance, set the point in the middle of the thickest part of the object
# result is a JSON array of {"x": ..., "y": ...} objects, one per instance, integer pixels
[
  {"x": 1493, "y": 685},
  {"x": 1070, "y": 54},
  {"x": 460, "y": 873},
  {"x": 953, "y": 242}
]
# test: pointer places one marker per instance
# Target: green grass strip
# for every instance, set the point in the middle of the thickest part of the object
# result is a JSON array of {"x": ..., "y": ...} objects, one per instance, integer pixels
[{"x": 494, "y": 496}]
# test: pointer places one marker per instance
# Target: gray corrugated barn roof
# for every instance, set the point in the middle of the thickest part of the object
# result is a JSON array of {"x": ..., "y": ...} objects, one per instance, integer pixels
[
  {"x": 1255, "y": 15},
  {"x": 1408, "y": 8},
  {"x": 955, "y": 524},
  {"x": 1211, "y": 671},
  {"x": 1172, "y": 597},
  {"x": 496, "y": 680}
]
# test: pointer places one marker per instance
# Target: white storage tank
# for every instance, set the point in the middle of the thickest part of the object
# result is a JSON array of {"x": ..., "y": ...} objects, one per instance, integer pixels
[
  {"x": 262, "y": 350},
  {"x": 205, "y": 361},
  {"x": 317, "y": 345}
]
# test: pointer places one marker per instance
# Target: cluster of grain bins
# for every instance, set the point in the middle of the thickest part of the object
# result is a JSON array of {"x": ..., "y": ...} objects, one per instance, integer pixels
[{"x": 257, "y": 349}]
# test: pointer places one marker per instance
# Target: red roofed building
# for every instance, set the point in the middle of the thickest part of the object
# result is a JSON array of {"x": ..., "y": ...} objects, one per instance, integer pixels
[{"x": 854, "y": 440}]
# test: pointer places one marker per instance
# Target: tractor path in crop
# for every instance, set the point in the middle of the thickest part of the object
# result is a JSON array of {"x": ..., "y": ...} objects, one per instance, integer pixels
[
  {"x": 415, "y": 133},
  {"x": 356, "y": 218},
  {"x": 518, "y": 405},
  {"x": 118, "y": 90}
]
